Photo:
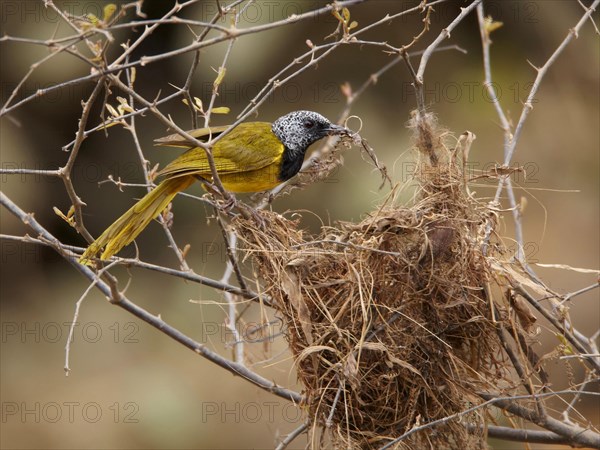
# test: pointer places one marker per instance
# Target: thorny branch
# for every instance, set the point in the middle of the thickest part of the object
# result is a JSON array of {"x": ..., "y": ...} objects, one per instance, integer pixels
[
  {"x": 104, "y": 74},
  {"x": 510, "y": 142},
  {"x": 155, "y": 321}
]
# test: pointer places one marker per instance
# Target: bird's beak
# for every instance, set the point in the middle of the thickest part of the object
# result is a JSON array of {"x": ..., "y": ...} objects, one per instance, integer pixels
[{"x": 337, "y": 129}]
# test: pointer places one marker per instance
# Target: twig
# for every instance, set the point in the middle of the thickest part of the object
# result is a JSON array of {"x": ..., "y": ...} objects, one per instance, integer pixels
[
  {"x": 570, "y": 295},
  {"x": 556, "y": 324},
  {"x": 232, "y": 316},
  {"x": 576, "y": 397},
  {"x": 148, "y": 30},
  {"x": 406, "y": 57},
  {"x": 290, "y": 437},
  {"x": 196, "y": 61},
  {"x": 591, "y": 18},
  {"x": 169, "y": 123},
  {"x": 221, "y": 70},
  {"x": 418, "y": 76},
  {"x": 66, "y": 170},
  {"x": 528, "y": 106},
  {"x": 36, "y": 172},
  {"x": 516, "y": 362},
  {"x": 275, "y": 81},
  {"x": 188, "y": 275},
  {"x": 155, "y": 321},
  {"x": 190, "y": 48},
  {"x": 487, "y": 70},
  {"x": 236, "y": 32},
  {"x": 541, "y": 72},
  {"x": 76, "y": 316},
  {"x": 577, "y": 435},
  {"x": 522, "y": 435},
  {"x": 445, "y": 34},
  {"x": 329, "y": 421},
  {"x": 230, "y": 241},
  {"x": 488, "y": 83},
  {"x": 510, "y": 141}
]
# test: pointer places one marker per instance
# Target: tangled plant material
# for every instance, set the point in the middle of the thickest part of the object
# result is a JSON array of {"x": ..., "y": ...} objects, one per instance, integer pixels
[{"x": 389, "y": 320}]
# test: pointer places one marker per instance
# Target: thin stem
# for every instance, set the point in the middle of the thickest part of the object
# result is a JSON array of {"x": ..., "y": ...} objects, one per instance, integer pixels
[
  {"x": 556, "y": 324},
  {"x": 188, "y": 275},
  {"x": 155, "y": 321},
  {"x": 292, "y": 436},
  {"x": 68, "y": 167},
  {"x": 445, "y": 34}
]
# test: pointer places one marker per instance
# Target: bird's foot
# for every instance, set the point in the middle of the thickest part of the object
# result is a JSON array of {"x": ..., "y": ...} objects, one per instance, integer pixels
[
  {"x": 229, "y": 203},
  {"x": 253, "y": 214}
]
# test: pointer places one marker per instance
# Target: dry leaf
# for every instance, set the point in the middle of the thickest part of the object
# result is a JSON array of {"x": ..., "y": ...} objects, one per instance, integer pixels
[
  {"x": 220, "y": 110},
  {"x": 291, "y": 286},
  {"x": 351, "y": 371},
  {"x": 522, "y": 310}
]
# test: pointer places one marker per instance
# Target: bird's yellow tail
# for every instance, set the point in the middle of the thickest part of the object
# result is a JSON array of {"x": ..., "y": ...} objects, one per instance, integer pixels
[{"x": 127, "y": 227}]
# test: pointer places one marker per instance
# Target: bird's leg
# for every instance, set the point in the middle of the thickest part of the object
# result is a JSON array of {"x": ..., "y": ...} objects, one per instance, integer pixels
[
  {"x": 207, "y": 185},
  {"x": 229, "y": 201},
  {"x": 250, "y": 213}
]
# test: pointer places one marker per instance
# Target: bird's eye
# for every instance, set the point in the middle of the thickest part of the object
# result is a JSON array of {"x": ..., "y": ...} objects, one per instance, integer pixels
[{"x": 308, "y": 124}]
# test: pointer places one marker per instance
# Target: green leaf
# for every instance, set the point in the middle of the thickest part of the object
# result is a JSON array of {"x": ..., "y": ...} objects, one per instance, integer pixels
[
  {"x": 346, "y": 14},
  {"x": 113, "y": 112},
  {"x": 220, "y": 110},
  {"x": 491, "y": 25},
  {"x": 109, "y": 11},
  {"x": 94, "y": 21},
  {"x": 220, "y": 75}
]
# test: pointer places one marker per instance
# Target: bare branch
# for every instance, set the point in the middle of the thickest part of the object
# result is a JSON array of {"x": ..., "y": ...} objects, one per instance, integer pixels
[
  {"x": 575, "y": 433},
  {"x": 578, "y": 435},
  {"x": 292, "y": 436},
  {"x": 68, "y": 167},
  {"x": 567, "y": 333},
  {"x": 155, "y": 321},
  {"x": 541, "y": 72},
  {"x": 445, "y": 34},
  {"x": 524, "y": 435},
  {"x": 523, "y": 369},
  {"x": 188, "y": 275}
]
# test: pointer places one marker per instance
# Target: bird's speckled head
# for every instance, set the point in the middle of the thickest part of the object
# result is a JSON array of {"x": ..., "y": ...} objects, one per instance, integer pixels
[{"x": 298, "y": 129}]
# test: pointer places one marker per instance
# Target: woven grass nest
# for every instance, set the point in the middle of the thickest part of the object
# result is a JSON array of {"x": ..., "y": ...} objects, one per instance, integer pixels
[{"x": 388, "y": 319}]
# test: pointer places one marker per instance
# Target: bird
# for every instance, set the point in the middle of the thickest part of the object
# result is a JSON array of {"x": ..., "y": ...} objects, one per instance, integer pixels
[{"x": 252, "y": 157}]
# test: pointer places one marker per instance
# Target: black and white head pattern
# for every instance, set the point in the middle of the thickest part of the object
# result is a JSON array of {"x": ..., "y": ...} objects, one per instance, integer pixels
[{"x": 299, "y": 129}]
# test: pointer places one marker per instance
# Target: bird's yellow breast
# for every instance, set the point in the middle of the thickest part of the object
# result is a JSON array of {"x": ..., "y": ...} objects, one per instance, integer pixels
[{"x": 258, "y": 180}]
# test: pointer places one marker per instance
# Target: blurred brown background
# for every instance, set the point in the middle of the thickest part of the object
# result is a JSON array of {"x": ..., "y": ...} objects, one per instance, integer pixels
[{"x": 131, "y": 386}]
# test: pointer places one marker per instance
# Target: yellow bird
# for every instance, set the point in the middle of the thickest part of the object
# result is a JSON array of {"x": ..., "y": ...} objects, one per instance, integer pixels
[{"x": 253, "y": 157}]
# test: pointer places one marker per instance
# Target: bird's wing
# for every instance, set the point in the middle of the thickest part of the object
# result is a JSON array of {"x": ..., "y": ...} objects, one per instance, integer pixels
[
  {"x": 202, "y": 134},
  {"x": 249, "y": 146},
  {"x": 195, "y": 162}
]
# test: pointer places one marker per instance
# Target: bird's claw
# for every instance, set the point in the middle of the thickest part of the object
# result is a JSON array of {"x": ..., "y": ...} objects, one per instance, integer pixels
[
  {"x": 229, "y": 203},
  {"x": 250, "y": 213}
]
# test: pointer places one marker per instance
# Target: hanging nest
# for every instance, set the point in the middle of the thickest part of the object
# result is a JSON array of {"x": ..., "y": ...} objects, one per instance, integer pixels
[{"x": 388, "y": 319}]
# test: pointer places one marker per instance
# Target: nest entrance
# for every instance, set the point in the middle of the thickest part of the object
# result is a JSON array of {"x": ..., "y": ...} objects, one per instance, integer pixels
[{"x": 388, "y": 319}]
